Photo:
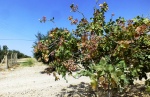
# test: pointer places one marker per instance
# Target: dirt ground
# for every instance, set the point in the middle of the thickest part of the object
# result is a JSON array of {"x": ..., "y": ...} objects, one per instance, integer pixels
[{"x": 30, "y": 82}]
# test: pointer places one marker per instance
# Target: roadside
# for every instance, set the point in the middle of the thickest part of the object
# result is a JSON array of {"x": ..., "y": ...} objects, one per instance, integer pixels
[{"x": 29, "y": 82}]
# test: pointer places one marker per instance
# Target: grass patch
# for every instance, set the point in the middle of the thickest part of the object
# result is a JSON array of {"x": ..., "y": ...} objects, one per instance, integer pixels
[{"x": 28, "y": 62}]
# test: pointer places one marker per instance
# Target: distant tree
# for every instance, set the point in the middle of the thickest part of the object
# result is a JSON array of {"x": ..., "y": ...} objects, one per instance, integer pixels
[
  {"x": 5, "y": 50},
  {"x": 19, "y": 54},
  {"x": 1, "y": 54}
]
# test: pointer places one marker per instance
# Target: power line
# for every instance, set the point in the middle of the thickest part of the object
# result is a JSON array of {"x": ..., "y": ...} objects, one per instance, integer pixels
[{"x": 19, "y": 39}]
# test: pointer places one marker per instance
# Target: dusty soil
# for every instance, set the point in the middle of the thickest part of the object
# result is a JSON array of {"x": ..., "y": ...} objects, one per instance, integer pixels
[{"x": 29, "y": 82}]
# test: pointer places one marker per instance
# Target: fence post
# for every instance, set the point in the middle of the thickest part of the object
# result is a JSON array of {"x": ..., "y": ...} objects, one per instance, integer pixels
[
  {"x": 6, "y": 60},
  {"x": 3, "y": 60},
  {"x": 16, "y": 58}
]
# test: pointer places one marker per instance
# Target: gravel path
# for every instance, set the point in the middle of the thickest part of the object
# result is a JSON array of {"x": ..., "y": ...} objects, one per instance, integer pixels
[{"x": 29, "y": 82}]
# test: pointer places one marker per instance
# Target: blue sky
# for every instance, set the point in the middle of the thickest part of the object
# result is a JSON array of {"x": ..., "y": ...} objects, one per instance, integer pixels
[{"x": 19, "y": 18}]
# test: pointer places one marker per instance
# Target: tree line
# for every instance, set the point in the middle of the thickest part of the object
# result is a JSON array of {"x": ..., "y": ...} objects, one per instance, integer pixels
[{"x": 4, "y": 50}]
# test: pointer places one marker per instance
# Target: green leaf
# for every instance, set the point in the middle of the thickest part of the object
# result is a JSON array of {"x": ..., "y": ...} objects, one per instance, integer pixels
[
  {"x": 149, "y": 56},
  {"x": 123, "y": 77},
  {"x": 134, "y": 72},
  {"x": 102, "y": 61},
  {"x": 110, "y": 68},
  {"x": 121, "y": 64},
  {"x": 126, "y": 81},
  {"x": 99, "y": 68},
  {"x": 146, "y": 20},
  {"x": 148, "y": 89},
  {"x": 135, "y": 20},
  {"x": 94, "y": 84},
  {"x": 57, "y": 53},
  {"x": 102, "y": 73},
  {"x": 140, "y": 66},
  {"x": 85, "y": 73},
  {"x": 92, "y": 26},
  {"x": 61, "y": 48},
  {"x": 119, "y": 72},
  {"x": 115, "y": 77},
  {"x": 122, "y": 46}
]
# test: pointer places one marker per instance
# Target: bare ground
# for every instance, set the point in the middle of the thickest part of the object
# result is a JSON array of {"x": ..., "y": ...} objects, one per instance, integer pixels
[{"x": 29, "y": 82}]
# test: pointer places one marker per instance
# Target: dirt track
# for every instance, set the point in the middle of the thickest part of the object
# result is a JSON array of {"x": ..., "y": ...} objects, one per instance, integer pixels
[{"x": 29, "y": 82}]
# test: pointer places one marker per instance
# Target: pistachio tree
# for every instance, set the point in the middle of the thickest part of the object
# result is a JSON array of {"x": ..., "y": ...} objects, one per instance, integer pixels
[{"x": 113, "y": 54}]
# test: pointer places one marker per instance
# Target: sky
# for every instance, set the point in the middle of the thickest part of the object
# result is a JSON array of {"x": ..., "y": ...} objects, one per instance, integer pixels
[{"x": 19, "y": 18}]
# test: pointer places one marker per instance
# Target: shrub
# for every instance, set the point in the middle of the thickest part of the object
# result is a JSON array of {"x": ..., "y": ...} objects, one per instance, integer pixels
[
  {"x": 112, "y": 53},
  {"x": 29, "y": 62}
]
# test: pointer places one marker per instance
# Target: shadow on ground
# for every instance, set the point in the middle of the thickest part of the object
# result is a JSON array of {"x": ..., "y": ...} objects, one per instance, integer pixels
[
  {"x": 84, "y": 90},
  {"x": 80, "y": 90},
  {"x": 48, "y": 70}
]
